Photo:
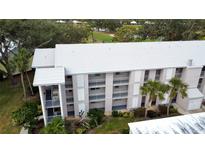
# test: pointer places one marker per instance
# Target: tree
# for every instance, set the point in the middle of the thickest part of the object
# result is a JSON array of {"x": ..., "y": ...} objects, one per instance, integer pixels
[
  {"x": 109, "y": 24},
  {"x": 26, "y": 116},
  {"x": 55, "y": 127},
  {"x": 127, "y": 33},
  {"x": 176, "y": 86},
  {"x": 30, "y": 34},
  {"x": 154, "y": 90},
  {"x": 21, "y": 62},
  {"x": 173, "y": 29}
]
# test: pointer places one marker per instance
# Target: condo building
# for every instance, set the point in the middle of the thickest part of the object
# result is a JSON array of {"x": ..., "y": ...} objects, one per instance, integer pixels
[{"x": 74, "y": 78}]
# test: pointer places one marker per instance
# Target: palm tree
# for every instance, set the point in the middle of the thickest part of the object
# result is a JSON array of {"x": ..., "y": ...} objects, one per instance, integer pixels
[
  {"x": 21, "y": 62},
  {"x": 176, "y": 85},
  {"x": 154, "y": 90}
]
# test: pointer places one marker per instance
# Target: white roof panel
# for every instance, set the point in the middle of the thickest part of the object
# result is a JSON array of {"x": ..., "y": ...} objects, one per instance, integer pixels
[
  {"x": 194, "y": 93},
  {"x": 49, "y": 76},
  {"x": 186, "y": 124},
  {"x": 113, "y": 57},
  {"x": 43, "y": 58}
]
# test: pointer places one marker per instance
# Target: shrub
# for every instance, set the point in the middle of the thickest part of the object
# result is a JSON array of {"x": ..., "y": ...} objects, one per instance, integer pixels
[
  {"x": 162, "y": 109},
  {"x": 172, "y": 110},
  {"x": 93, "y": 122},
  {"x": 125, "y": 131},
  {"x": 97, "y": 115},
  {"x": 26, "y": 116},
  {"x": 80, "y": 130},
  {"x": 126, "y": 114},
  {"x": 55, "y": 127},
  {"x": 115, "y": 113},
  {"x": 151, "y": 114},
  {"x": 139, "y": 112},
  {"x": 120, "y": 114},
  {"x": 68, "y": 126}
]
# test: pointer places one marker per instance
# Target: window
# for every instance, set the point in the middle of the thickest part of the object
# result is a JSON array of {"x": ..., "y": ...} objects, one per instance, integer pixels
[
  {"x": 143, "y": 101},
  {"x": 178, "y": 73},
  {"x": 146, "y": 75},
  {"x": 158, "y": 73},
  {"x": 97, "y": 74}
]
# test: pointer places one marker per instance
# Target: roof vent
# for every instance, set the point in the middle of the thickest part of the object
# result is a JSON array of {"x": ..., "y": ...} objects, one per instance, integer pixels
[{"x": 190, "y": 61}]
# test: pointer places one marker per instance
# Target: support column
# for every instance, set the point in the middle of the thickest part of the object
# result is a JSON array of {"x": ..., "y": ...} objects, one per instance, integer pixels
[
  {"x": 135, "y": 81},
  {"x": 167, "y": 75},
  {"x": 108, "y": 93},
  {"x": 80, "y": 93},
  {"x": 42, "y": 98},
  {"x": 62, "y": 98}
]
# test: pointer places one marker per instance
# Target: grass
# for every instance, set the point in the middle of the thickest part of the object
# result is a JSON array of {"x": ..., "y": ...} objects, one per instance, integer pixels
[
  {"x": 101, "y": 37},
  {"x": 113, "y": 125},
  {"x": 10, "y": 100}
]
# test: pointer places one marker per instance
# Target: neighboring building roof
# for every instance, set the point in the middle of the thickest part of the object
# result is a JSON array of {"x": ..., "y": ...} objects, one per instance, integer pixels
[
  {"x": 194, "y": 93},
  {"x": 186, "y": 124},
  {"x": 44, "y": 58},
  {"x": 49, "y": 76},
  {"x": 115, "y": 57}
]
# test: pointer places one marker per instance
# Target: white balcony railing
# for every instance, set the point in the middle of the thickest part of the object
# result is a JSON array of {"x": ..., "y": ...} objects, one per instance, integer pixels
[
  {"x": 97, "y": 97},
  {"x": 52, "y": 103},
  {"x": 120, "y": 95},
  {"x": 121, "y": 80}
]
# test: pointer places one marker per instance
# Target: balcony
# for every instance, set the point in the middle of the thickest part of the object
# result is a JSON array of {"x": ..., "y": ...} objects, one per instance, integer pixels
[
  {"x": 178, "y": 75},
  {"x": 120, "y": 95},
  {"x": 119, "y": 107},
  {"x": 69, "y": 100},
  {"x": 97, "y": 97},
  {"x": 121, "y": 80},
  {"x": 52, "y": 103},
  {"x": 157, "y": 77},
  {"x": 68, "y": 85},
  {"x": 96, "y": 82}
]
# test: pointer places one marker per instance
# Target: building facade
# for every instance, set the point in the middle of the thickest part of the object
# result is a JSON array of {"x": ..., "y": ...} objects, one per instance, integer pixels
[{"x": 75, "y": 78}]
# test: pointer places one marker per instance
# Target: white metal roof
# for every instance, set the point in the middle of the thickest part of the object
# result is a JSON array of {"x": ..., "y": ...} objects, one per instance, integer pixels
[
  {"x": 49, "y": 76},
  {"x": 114, "y": 57},
  {"x": 186, "y": 124},
  {"x": 194, "y": 93},
  {"x": 43, "y": 58}
]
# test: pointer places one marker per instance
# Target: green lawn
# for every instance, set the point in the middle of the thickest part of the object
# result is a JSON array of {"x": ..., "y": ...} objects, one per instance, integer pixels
[
  {"x": 10, "y": 100},
  {"x": 101, "y": 37},
  {"x": 113, "y": 125}
]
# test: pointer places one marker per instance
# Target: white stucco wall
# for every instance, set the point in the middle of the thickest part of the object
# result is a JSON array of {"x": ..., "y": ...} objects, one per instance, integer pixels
[{"x": 108, "y": 93}]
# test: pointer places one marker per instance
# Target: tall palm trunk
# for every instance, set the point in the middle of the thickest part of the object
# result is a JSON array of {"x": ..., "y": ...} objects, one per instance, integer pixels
[
  {"x": 23, "y": 85},
  {"x": 29, "y": 83},
  {"x": 168, "y": 107},
  {"x": 147, "y": 108}
]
